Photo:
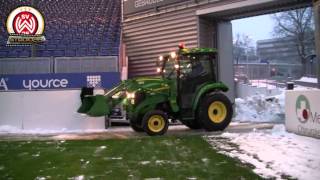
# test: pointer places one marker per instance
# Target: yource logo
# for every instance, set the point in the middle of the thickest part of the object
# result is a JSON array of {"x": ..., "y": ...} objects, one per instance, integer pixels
[
  {"x": 45, "y": 84},
  {"x": 3, "y": 84}
]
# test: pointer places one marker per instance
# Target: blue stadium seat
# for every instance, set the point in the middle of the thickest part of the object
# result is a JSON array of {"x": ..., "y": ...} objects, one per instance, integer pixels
[
  {"x": 58, "y": 53},
  {"x": 3, "y": 53},
  {"x": 25, "y": 53},
  {"x": 70, "y": 53},
  {"x": 93, "y": 52},
  {"x": 82, "y": 52}
]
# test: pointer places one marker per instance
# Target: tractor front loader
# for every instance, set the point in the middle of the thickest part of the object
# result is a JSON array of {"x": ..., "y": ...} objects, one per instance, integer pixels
[{"x": 187, "y": 91}]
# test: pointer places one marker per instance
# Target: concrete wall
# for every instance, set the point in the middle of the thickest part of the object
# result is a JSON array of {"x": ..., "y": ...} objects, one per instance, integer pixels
[
  {"x": 225, "y": 57},
  {"x": 51, "y": 110}
]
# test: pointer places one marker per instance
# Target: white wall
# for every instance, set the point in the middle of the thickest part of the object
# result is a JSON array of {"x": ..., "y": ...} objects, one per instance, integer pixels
[{"x": 52, "y": 110}]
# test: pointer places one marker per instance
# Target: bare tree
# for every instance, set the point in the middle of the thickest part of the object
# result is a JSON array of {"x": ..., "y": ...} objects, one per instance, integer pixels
[
  {"x": 241, "y": 45},
  {"x": 297, "y": 24}
]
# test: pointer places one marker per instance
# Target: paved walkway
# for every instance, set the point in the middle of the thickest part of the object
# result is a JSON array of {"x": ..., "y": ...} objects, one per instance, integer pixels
[{"x": 127, "y": 132}]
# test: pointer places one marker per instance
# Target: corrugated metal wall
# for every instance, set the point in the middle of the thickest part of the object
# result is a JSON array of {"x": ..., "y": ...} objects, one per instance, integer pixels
[
  {"x": 148, "y": 38},
  {"x": 206, "y": 33}
]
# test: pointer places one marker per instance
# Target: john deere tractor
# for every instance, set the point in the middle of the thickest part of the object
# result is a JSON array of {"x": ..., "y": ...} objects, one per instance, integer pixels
[{"x": 187, "y": 91}]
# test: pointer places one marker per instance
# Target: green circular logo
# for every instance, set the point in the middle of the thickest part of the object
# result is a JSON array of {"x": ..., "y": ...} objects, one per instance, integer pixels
[{"x": 303, "y": 108}]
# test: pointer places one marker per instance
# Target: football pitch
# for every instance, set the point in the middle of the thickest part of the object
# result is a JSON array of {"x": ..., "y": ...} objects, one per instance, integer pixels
[{"x": 167, "y": 157}]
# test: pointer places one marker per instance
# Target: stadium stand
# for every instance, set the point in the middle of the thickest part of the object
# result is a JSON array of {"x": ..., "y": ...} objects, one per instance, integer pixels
[{"x": 74, "y": 28}]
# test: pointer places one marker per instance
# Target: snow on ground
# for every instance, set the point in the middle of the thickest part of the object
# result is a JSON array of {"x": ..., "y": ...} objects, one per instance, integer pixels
[
  {"x": 274, "y": 153},
  {"x": 308, "y": 79},
  {"x": 259, "y": 108},
  {"x": 7, "y": 129}
]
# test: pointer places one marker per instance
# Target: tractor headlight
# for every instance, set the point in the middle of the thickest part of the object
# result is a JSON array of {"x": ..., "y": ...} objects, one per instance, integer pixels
[{"x": 130, "y": 95}]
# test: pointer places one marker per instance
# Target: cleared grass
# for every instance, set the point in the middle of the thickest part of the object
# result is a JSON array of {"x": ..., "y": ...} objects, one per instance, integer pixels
[{"x": 167, "y": 157}]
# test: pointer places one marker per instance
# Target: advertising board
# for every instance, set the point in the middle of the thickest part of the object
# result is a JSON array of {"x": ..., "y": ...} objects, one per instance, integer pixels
[
  {"x": 302, "y": 110},
  {"x": 58, "y": 81}
]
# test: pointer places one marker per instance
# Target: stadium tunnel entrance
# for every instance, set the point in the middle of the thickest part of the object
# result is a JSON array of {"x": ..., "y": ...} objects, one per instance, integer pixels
[
  {"x": 151, "y": 32},
  {"x": 219, "y": 19}
]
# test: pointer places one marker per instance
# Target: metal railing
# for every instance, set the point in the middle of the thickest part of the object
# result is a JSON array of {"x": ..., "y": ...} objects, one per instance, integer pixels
[{"x": 40, "y": 65}]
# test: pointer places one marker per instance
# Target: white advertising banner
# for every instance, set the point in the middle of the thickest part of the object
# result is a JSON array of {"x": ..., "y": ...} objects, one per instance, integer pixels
[
  {"x": 46, "y": 110},
  {"x": 303, "y": 112}
]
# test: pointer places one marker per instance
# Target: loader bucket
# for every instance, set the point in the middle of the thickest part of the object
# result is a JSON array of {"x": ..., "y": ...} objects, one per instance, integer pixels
[
  {"x": 100, "y": 107},
  {"x": 86, "y": 105}
]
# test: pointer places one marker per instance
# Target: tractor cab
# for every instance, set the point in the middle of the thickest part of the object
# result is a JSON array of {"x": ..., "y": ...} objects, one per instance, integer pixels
[{"x": 192, "y": 69}]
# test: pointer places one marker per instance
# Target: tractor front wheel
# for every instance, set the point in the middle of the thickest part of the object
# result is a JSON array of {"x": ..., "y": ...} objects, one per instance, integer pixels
[
  {"x": 136, "y": 124},
  {"x": 215, "y": 112},
  {"x": 136, "y": 127},
  {"x": 155, "y": 123}
]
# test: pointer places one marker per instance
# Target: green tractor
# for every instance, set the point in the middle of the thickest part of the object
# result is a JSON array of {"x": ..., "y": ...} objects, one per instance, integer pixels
[{"x": 187, "y": 91}]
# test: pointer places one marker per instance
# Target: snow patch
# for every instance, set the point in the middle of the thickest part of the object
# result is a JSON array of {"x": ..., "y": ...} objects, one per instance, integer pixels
[
  {"x": 308, "y": 79},
  {"x": 274, "y": 153},
  {"x": 260, "y": 108},
  {"x": 99, "y": 150},
  {"x": 113, "y": 158},
  {"x": 163, "y": 162},
  {"x": 36, "y": 155},
  {"x": 191, "y": 178},
  {"x": 81, "y": 177},
  {"x": 7, "y": 129},
  {"x": 144, "y": 162},
  {"x": 40, "y": 178}
]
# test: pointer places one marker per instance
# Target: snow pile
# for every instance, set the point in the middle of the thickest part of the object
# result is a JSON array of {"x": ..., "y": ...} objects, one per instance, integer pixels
[
  {"x": 308, "y": 79},
  {"x": 6, "y": 129},
  {"x": 259, "y": 108},
  {"x": 273, "y": 153}
]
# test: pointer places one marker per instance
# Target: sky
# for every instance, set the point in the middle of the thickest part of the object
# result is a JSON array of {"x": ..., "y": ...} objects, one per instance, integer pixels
[{"x": 257, "y": 28}]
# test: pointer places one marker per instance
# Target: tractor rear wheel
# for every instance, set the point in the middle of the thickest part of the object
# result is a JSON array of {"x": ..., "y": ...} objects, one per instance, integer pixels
[
  {"x": 155, "y": 123},
  {"x": 215, "y": 112}
]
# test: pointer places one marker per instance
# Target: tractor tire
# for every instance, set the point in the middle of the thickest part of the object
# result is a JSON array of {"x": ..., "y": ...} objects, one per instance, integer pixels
[
  {"x": 215, "y": 112},
  {"x": 136, "y": 127},
  {"x": 155, "y": 123},
  {"x": 194, "y": 124},
  {"x": 136, "y": 124}
]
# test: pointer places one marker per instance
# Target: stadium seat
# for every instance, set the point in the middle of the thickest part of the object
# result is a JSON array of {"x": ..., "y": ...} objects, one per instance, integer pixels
[{"x": 3, "y": 53}]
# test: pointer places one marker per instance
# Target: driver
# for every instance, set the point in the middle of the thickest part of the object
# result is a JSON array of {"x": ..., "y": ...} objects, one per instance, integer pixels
[{"x": 196, "y": 69}]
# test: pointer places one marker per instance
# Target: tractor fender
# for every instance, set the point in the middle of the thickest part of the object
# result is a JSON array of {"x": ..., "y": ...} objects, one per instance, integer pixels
[
  {"x": 148, "y": 104},
  {"x": 205, "y": 89}
]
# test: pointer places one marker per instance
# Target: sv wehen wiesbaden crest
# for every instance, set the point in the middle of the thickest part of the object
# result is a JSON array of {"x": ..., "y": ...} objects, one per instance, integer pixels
[{"x": 25, "y": 26}]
